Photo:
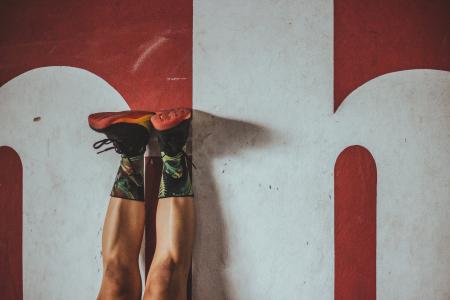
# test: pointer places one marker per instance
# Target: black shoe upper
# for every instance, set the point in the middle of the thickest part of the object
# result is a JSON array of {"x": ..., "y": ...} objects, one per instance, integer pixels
[
  {"x": 128, "y": 139},
  {"x": 173, "y": 140}
]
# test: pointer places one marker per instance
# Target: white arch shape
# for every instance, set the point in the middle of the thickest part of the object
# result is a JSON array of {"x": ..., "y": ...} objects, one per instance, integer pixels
[
  {"x": 403, "y": 119},
  {"x": 66, "y": 184}
]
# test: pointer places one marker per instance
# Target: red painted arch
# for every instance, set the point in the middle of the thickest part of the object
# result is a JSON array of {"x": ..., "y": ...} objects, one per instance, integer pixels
[
  {"x": 375, "y": 37},
  {"x": 10, "y": 225},
  {"x": 355, "y": 224}
]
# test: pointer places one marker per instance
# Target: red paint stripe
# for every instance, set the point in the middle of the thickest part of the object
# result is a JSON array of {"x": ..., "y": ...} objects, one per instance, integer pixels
[
  {"x": 372, "y": 38},
  {"x": 153, "y": 170},
  {"x": 143, "y": 48},
  {"x": 355, "y": 182},
  {"x": 10, "y": 225}
]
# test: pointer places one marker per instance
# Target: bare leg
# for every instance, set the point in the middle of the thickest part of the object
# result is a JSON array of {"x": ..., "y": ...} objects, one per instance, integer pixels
[
  {"x": 175, "y": 218},
  {"x": 121, "y": 243},
  {"x": 175, "y": 229},
  {"x": 128, "y": 132}
]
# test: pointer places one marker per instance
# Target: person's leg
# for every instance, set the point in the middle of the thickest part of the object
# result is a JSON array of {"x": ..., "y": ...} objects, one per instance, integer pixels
[
  {"x": 124, "y": 224},
  {"x": 121, "y": 242},
  {"x": 175, "y": 226},
  {"x": 175, "y": 218}
]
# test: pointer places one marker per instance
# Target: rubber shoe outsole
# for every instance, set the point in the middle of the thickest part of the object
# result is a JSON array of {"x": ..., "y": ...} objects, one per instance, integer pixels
[
  {"x": 101, "y": 121},
  {"x": 167, "y": 119}
]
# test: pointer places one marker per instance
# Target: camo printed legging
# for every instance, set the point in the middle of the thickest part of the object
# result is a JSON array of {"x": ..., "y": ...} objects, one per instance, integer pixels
[{"x": 129, "y": 183}]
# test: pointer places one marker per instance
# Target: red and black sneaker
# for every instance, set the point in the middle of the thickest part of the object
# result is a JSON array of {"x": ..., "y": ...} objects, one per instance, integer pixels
[
  {"x": 172, "y": 129},
  {"x": 128, "y": 131}
]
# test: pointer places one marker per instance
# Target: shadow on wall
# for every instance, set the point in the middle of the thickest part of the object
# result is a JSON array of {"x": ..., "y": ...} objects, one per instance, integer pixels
[{"x": 215, "y": 137}]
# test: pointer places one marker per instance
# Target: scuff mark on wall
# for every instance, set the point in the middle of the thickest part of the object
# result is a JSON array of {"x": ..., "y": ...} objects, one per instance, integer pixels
[{"x": 151, "y": 47}]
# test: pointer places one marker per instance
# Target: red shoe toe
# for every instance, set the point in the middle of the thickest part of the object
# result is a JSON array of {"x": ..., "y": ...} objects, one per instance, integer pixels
[{"x": 167, "y": 119}]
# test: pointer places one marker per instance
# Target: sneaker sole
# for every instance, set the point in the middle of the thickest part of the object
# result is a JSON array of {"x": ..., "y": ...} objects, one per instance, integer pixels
[
  {"x": 167, "y": 119},
  {"x": 101, "y": 121}
]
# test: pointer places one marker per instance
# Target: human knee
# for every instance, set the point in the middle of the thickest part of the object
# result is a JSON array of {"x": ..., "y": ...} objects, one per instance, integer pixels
[
  {"x": 120, "y": 277},
  {"x": 172, "y": 264},
  {"x": 162, "y": 272},
  {"x": 166, "y": 274}
]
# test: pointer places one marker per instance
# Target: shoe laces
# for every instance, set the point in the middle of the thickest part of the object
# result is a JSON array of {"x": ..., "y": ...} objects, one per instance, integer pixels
[
  {"x": 188, "y": 158},
  {"x": 116, "y": 145}
]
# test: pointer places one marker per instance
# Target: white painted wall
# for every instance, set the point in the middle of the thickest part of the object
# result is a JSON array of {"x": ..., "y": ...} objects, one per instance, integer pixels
[
  {"x": 265, "y": 162},
  {"x": 66, "y": 184}
]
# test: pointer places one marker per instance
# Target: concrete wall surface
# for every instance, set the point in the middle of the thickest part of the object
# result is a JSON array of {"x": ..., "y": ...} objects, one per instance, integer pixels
[{"x": 265, "y": 143}]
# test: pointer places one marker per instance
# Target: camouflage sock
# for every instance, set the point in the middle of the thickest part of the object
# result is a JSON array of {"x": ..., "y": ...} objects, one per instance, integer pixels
[
  {"x": 176, "y": 177},
  {"x": 129, "y": 183}
]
